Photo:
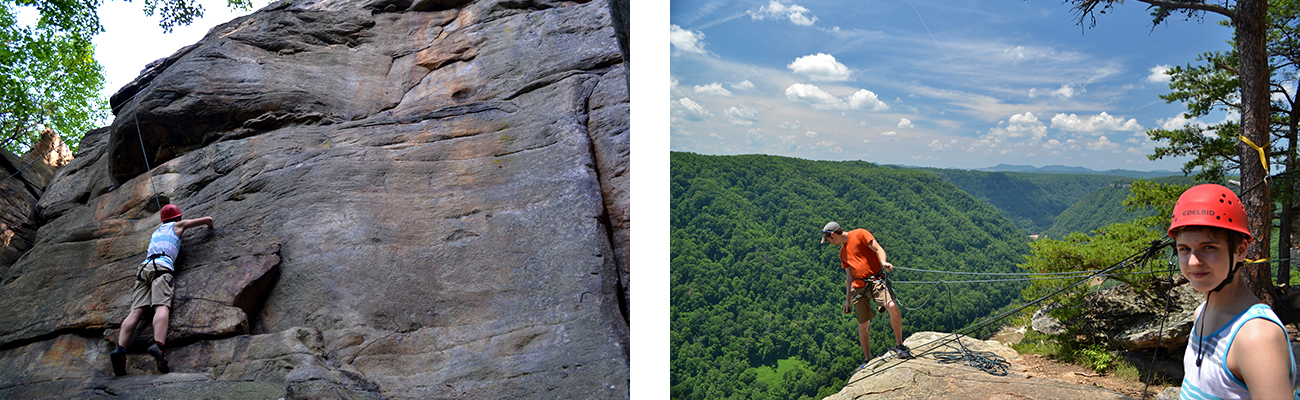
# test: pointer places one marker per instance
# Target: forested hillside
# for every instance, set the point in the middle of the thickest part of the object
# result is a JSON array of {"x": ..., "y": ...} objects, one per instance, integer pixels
[
  {"x": 1030, "y": 200},
  {"x": 756, "y": 300},
  {"x": 1103, "y": 207}
]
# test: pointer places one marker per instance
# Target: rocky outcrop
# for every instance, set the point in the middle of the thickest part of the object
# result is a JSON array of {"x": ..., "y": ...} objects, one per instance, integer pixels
[
  {"x": 1131, "y": 320},
  {"x": 925, "y": 377},
  {"x": 50, "y": 150},
  {"x": 419, "y": 199}
]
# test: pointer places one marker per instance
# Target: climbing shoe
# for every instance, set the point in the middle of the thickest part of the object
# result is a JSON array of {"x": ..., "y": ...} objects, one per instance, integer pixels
[
  {"x": 861, "y": 367},
  {"x": 901, "y": 351},
  {"x": 119, "y": 361},
  {"x": 161, "y": 358}
]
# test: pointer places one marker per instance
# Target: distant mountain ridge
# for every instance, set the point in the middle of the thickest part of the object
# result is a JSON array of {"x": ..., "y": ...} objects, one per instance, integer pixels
[{"x": 1058, "y": 169}]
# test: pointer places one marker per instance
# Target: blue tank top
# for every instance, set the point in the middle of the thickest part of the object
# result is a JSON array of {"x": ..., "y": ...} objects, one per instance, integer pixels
[
  {"x": 1213, "y": 380},
  {"x": 165, "y": 242}
]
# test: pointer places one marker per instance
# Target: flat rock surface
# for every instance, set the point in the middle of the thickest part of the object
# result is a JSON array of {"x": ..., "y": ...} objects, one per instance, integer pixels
[{"x": 926, "y": 377}]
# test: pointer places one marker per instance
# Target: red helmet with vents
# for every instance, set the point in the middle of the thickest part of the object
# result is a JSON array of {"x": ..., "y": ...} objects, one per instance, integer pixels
[
  {"x": 170, "y": 211},
  {"x": 1210, "y": 205}
]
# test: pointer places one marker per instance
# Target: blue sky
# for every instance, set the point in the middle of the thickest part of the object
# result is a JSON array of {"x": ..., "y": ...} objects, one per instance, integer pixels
[
  {"x": 132, "y": 40},
  {"x": 954, "y": 84}
]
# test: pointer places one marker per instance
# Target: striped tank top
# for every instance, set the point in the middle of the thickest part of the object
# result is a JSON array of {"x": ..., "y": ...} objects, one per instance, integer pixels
[
  {"x": 165, "y": 242},
  {"x": 1213, "y": 380}
]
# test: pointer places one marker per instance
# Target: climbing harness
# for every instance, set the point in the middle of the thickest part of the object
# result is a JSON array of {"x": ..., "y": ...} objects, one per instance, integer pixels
[{"x": 157, "y": 272}]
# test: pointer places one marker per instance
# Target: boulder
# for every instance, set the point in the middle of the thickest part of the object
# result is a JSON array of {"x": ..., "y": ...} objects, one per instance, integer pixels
[
  {"x": 411, "y": 200},
  {"x": 1135, "y": 321},
  {"x": 1045, "y": 324}
]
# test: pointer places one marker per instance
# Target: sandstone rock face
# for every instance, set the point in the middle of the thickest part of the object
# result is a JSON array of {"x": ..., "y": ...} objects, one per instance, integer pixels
[
  {"x": 419, "y": 199},
  {"x": 925, "y": 377}
]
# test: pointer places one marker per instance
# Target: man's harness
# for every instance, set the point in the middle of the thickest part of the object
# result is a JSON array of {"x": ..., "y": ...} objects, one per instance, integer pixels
[{"x": 877, "y": 277}]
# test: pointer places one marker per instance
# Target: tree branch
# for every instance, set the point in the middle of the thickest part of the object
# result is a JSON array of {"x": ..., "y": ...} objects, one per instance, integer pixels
[
  {"x": 1214, "y": 8},
  {"x": 1226, "y": 67}
]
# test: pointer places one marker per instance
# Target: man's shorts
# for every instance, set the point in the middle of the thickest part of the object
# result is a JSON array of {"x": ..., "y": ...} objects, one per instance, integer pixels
[
  {"x": 862, "y": 304},
  {"x": 154, "y": 290}
]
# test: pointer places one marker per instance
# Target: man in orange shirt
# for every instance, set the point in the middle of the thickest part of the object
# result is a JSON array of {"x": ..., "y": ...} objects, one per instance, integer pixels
[{"x": 864, "y": 266}]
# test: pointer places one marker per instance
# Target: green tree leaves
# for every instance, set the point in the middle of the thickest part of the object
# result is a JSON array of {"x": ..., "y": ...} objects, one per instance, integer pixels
[{"x": 49, "y": 78}]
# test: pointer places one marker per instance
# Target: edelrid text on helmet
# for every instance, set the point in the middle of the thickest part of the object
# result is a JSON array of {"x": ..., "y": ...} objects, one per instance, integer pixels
[{"x": 1210, "y": 205}]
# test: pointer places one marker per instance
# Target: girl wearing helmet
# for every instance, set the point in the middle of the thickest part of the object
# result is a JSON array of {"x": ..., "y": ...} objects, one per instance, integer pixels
[{"x": 1238, "y": 347}]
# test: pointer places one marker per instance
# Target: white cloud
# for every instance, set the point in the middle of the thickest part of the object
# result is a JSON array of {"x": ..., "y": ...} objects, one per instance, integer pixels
[
  {"x": 822, "y": 100},
  {"x": 1019, "y": 126},
  {"x": 1066, "y": 91},
  {"x": 743, "y": 85},
  {"x": 1159, "y": 74},
  {"x": 714, "y": 89},
  {"x": 692, "y": 110},
  {"x": 820, "y": 67},
  {"x": 814, "y": 95},
  {"x": 864, "y": 97},
  {"x": 905, "y": 124},
  {"x": 685, "y": 40},
  {"x": 1099, "y": 123},
  {"x": 1102, "y": 143},
  {"x": 741, "y": 115},
  {"x": 890, "y": 133},
  {"x": 794, "y": 12},
  {"x": 1020, "y": 54},
  {"x": 830, "y": 146},
  {"x": 790, "y": 125},
  {"x": 811, "y": 134},
  {"x": 1179, "y": 121}
]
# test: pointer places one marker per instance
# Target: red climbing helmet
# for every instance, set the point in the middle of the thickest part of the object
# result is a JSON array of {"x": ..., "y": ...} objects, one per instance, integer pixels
[
  {"x": 1210, "y": 205},
  {"x": 170, "y": 211}
]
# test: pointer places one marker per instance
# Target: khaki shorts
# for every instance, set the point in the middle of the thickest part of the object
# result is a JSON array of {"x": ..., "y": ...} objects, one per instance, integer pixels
[
  {"x": 862, "y": 300},
  {"x": 154, "y": 290}
]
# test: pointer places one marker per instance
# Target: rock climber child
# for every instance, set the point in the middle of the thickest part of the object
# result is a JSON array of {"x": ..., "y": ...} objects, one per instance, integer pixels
[
  {"x": 1238, "y": 347},
  {"x": 153, "y": 287}
]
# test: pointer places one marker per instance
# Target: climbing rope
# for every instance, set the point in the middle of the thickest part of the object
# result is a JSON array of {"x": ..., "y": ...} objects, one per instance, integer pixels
[
  {"x": 999, "y": 273},
  {"x": 144, "y": 153},
  {"x": 985, "y": 360}
]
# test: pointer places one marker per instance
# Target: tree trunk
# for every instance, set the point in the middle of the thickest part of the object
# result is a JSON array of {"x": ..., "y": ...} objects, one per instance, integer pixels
[{"x": 1251, "y": 28}]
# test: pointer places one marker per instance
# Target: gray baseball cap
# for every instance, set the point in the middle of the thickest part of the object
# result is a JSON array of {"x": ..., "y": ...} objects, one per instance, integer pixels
[{"x": 829, "y": 228}]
